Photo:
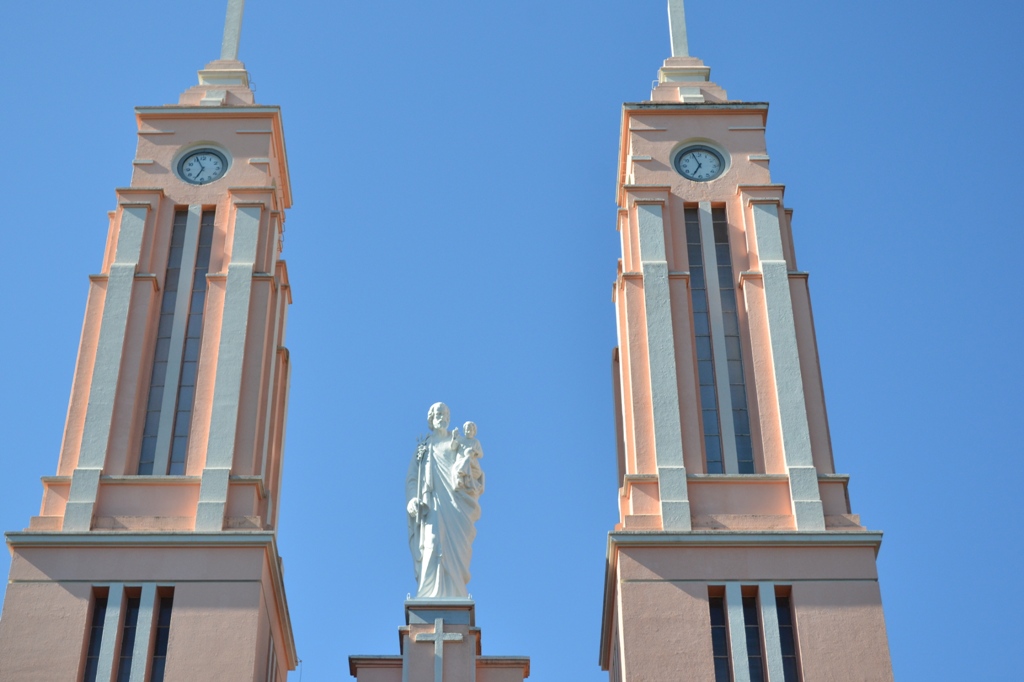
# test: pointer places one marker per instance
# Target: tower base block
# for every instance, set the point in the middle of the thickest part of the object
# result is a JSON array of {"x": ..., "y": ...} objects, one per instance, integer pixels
[{"x": 439, "y": 643}]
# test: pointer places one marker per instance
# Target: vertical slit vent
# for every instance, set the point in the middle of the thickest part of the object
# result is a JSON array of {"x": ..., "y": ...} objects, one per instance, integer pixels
[
  {"x": 163, "y": 345},
  {"x": 190, "y": 357}
]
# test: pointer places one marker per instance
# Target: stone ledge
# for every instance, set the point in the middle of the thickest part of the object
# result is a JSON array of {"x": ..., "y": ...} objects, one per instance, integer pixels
[
  {"x": 133, "y": 523},
  {"x": 45, "y": 523},
  {"x": 743, "y": 522}
]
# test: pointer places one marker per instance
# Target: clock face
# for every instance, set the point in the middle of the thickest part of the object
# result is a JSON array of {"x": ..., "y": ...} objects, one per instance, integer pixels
[
  {"x": 202, "y": 166},
  {"x": 700, "y": 164}
]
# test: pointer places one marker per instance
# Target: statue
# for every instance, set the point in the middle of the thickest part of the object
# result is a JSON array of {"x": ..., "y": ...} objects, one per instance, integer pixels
[{"x": 443, "y": 486}]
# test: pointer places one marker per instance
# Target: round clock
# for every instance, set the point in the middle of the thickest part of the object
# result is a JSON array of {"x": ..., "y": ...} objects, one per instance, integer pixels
[
  {"x": 700, "y": 163},
  {"x": 202, "y": 166}
]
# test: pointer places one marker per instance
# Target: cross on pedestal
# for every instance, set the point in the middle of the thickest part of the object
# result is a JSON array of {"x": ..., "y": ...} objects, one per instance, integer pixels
[{"x": 439, "y": 637}]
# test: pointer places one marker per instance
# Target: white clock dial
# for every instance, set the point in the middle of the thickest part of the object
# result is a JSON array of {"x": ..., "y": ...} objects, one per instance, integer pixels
[
  {"x": 202, "y": 167},
  {"x": 700, "y": 164}
]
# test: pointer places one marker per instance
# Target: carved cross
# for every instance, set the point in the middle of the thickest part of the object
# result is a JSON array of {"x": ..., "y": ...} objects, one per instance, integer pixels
[
  {"x": 232, "y": 29},
  {"x": 439, "y": 637},
  {"x": 677, "y": 28}
]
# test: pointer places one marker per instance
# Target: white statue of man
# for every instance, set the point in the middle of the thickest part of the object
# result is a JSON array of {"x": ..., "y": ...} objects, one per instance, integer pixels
[{"x": 443, "y": 485}]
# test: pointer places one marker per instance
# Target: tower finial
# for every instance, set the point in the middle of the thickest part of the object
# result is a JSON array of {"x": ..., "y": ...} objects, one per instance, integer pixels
[
  {"x": 232, "y": 30},
  {"x": 677, "y": 28}
]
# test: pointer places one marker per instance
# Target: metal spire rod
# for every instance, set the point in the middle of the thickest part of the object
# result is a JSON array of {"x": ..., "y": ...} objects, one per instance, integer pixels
[
  {"x": 232, "y": 30},
  {"x": 677, "y": 28}
]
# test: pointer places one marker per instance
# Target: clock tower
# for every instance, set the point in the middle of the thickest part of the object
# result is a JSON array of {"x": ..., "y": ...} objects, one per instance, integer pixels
[
  {"x": 154, "y": 554},
  {"x": 737, "y": 556}
]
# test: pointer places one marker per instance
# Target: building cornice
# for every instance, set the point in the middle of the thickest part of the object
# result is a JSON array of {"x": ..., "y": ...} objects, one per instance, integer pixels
[
  {"x": 255, "y": 111},
  {"x": 775, "y": 538},
  {"x": 182, "y": 111},
  {"x": 99, "y": 538},
  {"x": 715, "y": 107},
  {"x": 656, "y": 538},
  {"x": 178, "y": 539},
  {"x": 366, "y": 662}
]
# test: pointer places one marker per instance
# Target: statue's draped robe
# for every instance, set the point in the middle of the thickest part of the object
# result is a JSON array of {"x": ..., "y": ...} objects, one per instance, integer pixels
[{"x": 442, "y": 540}]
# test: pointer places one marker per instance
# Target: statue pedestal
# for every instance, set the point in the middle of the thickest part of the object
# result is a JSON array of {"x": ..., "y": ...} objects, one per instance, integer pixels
[{"x": 439, "y": 643}]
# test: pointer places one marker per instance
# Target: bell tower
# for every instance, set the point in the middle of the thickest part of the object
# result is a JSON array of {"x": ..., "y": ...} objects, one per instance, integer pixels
[
  {"x": 154, "y": 554},
  {"x": 737, "y": 556}
]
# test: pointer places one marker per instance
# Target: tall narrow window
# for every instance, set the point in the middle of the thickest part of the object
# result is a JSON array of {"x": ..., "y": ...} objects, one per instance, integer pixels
[
  {"x": 752, "y": 627},
  {"x": 272, "y": 662},
  {"x": 723, "y": 392},
  {"x": 787, "y": 638},
  {"x": 163, "y": 634},
  {"x": 731, "y": 327},
  {"x": 719, "y": 639},
  {"x": 176, "y": 358},
  {"x": 92, "y": 655},
  {"x": 163, "y": 345},
  {"x": 131, "y": 621},
  {"x": 190, "y": 357},
  {"x": 702, "y": 341}
]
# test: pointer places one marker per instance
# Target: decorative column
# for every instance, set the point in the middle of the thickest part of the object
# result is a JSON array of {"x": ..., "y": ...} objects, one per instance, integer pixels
[
  {"x": 213, "y": 494},
  {"x": 789, "y": 388},
  {"x": 106, "y": 371},
  {"x": 668, "y": 437}
]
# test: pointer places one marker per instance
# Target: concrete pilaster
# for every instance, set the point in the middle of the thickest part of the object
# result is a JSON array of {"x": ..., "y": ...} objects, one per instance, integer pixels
[
  {"x": 668, "y": 439},
  {"x": 789, "y": 390},
  {"x": 737, "y": 632},
  {"x": 106, "y": 369},
  {"x": 143, "y": 633},
  {"x": 111, "y": 622},
  {"x": 770, "y": 628},
  {"x": 228, "y": 382}
]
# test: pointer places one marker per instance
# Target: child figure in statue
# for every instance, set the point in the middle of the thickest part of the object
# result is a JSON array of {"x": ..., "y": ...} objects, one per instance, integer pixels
[{"x": 469, "y": 475}]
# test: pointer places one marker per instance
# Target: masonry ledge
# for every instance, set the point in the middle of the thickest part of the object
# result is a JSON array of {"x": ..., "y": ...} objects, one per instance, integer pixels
[
  {"x": 520, "y": 662},
  {"x": 649, "y": 538},
  {"x": 740, "y": 106},
  {"x": 179, "y": 110},
  {"x": 151, "y": 480},
  {"x": 106, "y": 538},
  {"x": 737, "y": 478},
  {"x": 366, "y": 661}
]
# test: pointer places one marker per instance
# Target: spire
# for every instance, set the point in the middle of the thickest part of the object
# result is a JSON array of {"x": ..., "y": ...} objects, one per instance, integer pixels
[
  {"x": 233, "y": 30},
  {"x": 677, "y": 28},
  {"x": 224, "y": 81},
  {"x": 684, "y": 78}
]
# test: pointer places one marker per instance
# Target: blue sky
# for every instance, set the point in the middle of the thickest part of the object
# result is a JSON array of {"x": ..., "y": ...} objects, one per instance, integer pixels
[{"x": 453, "y": 238}]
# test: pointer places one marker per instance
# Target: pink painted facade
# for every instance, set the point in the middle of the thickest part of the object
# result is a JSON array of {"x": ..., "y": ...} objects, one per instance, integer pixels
[
  {"x": 736, "y": 538},
  {"x": 164, "y": 504}
]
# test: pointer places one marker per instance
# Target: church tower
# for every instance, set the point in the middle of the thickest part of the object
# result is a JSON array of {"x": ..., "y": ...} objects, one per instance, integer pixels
[
  {"x": 737, "y": 556},
  {"x": 154, "y": 554}
]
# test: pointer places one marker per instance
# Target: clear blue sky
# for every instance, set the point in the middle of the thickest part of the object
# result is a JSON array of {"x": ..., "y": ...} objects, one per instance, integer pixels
[{"x": 453, "y": 238}]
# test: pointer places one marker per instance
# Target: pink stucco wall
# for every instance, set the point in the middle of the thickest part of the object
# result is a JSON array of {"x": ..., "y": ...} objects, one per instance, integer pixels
[{"x": 225, "y": 608}]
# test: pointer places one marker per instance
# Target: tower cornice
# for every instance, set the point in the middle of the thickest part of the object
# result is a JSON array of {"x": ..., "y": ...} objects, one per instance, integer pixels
[
  {"x": 630, "y": 110},
  {"x": 717, "y": 538},
  {"x": 266, "y": 540},
  {"x": 268, "y": 112},
  {"x": 715, "y": 107},
  {"x": 713, "y": 539}
]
